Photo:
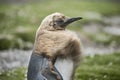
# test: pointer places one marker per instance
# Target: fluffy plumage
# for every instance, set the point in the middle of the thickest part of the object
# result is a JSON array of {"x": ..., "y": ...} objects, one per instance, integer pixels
[{"x": 59, "y": 45}]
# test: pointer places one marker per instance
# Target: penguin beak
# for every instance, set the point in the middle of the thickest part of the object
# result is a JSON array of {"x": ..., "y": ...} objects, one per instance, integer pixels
[{"x": 68, "y": 21}]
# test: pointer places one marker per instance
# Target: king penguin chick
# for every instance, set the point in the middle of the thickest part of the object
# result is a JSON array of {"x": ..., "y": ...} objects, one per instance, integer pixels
[{"x": 57, "y": 51}]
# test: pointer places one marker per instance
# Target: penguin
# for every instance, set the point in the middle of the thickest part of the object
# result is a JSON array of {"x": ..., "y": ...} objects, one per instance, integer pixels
[{"x": 57, "y": 51}]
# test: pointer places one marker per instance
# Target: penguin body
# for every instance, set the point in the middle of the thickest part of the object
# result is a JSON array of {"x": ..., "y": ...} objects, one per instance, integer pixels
[{"x": 60, "y": 48}]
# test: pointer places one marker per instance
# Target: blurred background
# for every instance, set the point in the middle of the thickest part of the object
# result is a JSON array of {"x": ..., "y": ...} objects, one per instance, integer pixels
[{"x": 99, "y": 31}]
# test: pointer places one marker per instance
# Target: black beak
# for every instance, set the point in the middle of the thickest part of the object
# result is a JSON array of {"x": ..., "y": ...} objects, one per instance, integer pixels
[{"x": 67, "y": 22}]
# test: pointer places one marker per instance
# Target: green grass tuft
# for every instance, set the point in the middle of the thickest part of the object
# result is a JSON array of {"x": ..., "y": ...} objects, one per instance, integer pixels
[
  {"x": 16, "y": 74},
  {"x": 29, "y": 16},
  {"x": 98, "y": 67}
]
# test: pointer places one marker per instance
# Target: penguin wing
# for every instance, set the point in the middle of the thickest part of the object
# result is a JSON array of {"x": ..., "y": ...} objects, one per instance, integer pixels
[{"x": 38, "y": 68}]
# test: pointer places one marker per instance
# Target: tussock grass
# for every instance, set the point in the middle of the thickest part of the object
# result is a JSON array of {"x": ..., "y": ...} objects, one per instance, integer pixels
[
  {"x": 98, "y": 67},
  {"x": 13, "y": 16}
]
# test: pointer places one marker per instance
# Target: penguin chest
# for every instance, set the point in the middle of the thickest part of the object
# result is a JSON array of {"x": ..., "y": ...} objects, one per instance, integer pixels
[{"x": 65, "y": 67}]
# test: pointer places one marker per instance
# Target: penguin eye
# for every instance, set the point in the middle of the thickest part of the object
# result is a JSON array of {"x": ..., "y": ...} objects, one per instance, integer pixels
[{"x": 59, "y": 21}]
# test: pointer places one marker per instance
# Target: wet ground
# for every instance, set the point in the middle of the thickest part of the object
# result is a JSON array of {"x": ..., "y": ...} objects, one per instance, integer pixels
[{"x": 10, "y": 59}]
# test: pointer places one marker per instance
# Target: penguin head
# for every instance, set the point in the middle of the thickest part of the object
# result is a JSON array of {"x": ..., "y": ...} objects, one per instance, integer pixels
[{"x": 57, "y": 21}]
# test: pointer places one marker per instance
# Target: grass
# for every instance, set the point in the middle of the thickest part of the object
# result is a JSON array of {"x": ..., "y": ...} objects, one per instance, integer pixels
[
  {"x": 18, "y": 24},
  {"x": 105, "y": 39},
  {"x": 28, "y": 16},
  {"x": 98, "y": 67},
  {"x": 16, "y": 74}
]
